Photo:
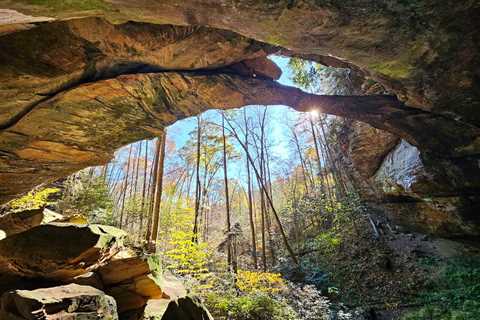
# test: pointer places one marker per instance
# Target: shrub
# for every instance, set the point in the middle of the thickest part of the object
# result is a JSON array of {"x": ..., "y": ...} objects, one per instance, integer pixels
[
  {"x": 452, "y": 295},
  {"x": 88, "y": 196},
  {"x": 253, "y": 306},
  {"x": 265, "y": 282},
  {"x": 33, "y": 200}
]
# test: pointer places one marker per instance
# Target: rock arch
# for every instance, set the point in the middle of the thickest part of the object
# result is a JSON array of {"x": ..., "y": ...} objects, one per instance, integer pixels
[
  {"x": 78, "y": 81},
  {"x": 74, "y": 91}
]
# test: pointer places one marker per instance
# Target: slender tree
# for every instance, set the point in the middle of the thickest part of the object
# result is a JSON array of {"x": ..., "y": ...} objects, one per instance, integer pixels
[
  {"x": 125, "y": 185},
  {"x": 153, "y": 184},
  {"x": 158, "y": 188},
  {"x": 250, "y": 202},
  {"x": 198, "y": 190},
  {"x": 302, "y": 161},
  {"x": 227, "y": 198},
  {"x": 144, "y": 189},
  {"x": 232, "y": 130}
]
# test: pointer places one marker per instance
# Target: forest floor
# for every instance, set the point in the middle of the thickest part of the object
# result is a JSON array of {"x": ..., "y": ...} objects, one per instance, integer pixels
[{"x": 385, "y": 270}]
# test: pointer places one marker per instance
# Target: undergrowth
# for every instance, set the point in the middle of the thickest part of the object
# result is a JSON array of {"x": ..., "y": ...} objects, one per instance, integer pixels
[{"x": 453, "y": 293}]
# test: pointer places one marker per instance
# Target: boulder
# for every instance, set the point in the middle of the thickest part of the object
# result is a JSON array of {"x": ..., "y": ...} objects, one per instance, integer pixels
[
  {"x": 63, "y": 302},
  {"x": 121, "y": 270},
  {"x": 185, "y": 308},
  {"x": 59, "y": 251},
  {"x": 130, "y": 282},
  {"x": 15, "y": 222}
]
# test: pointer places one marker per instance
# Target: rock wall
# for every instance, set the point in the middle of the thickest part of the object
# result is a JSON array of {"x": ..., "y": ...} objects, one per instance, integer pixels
[{"x": 421, "y": 194}]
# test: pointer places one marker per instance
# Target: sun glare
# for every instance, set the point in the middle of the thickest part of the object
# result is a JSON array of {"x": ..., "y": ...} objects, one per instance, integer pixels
[{"x": 313, "y": 113}]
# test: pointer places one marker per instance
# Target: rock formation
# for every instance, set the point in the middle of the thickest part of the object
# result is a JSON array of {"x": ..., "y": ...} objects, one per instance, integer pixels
[
  {"x": 72, "y": 250},
  {"x": 422, "y": 193},
  {"x": 79, "y": 80},
  {"x": 62, "y": 270},
  {"x": 65, "y": 302},
  {"x": 16, "y": 222}
]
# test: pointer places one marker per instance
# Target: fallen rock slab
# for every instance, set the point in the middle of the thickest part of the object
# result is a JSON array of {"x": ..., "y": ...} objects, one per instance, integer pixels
[
  {"x": 130, "y": 282},
  {"x": 64, "y": 302},
  {"x": 121, "y": 270},
  {"x": 59, "y": 251}
]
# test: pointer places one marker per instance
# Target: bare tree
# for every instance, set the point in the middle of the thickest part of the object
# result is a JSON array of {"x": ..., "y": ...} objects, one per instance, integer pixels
[
  {"x": 227, "y": 198},
  {"x": 250, "y": 203},
  {"x": 198, "y": 190},
  {"x": 125, "y": 185},
  {"x": 158, "y": 188},
  {"x": 233, "y": 131}
]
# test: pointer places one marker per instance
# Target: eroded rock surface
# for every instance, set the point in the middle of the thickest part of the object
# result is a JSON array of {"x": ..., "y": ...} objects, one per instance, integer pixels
[
  {"x": 59, "y": 269},
  {"x": 107, "y": 73},
  {"x": 71, "y": 301},
  {"x": 419, "y": 192},
  {"x": 16, "y": 222},
  {"x": 103, "y": 85},
  {"x": 58, "y": 251}
]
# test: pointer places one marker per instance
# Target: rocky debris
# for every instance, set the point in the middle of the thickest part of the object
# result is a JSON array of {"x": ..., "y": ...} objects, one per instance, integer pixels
[
  {"x": 59, "y": 251},
  {"x": 14, "y": 222},
  {"x": 142, "y": 294},
  {"x": 84, "y": 256},
  {"x": 64, "y": 302},
  {"x": 135, "y": 294}
]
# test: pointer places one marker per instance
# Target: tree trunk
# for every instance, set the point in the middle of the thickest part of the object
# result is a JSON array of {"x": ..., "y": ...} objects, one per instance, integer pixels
[
  {"x": 153, "y": 184},
  {"x": 227, "y": 198},
  {"x": 126, "y": 185},
  {"x": 197, "y": 184},
  {"x": 105, "y": 172},
  {"x": 250, "y": 202},
  {"x": 262, "y": 215},
  {"x": 144, "y": 189},
  {"x": 158, "y": 188},
  {"x": 302, "y": 162}
]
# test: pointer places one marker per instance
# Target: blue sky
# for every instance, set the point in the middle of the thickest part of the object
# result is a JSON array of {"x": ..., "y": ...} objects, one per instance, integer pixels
[{"x": 179, "y": 131}]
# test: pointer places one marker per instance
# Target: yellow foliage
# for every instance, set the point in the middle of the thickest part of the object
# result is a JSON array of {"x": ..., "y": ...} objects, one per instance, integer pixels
[
  {"x": 77, "y": 219},
  {"x": 184, "y": 255},
  {"x": 266, "y": 282},
  {"x": 33, "y": 199}
]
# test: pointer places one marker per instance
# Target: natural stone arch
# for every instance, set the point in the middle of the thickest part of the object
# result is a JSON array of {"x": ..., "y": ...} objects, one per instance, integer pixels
[{"x": 75, "y": 91}]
